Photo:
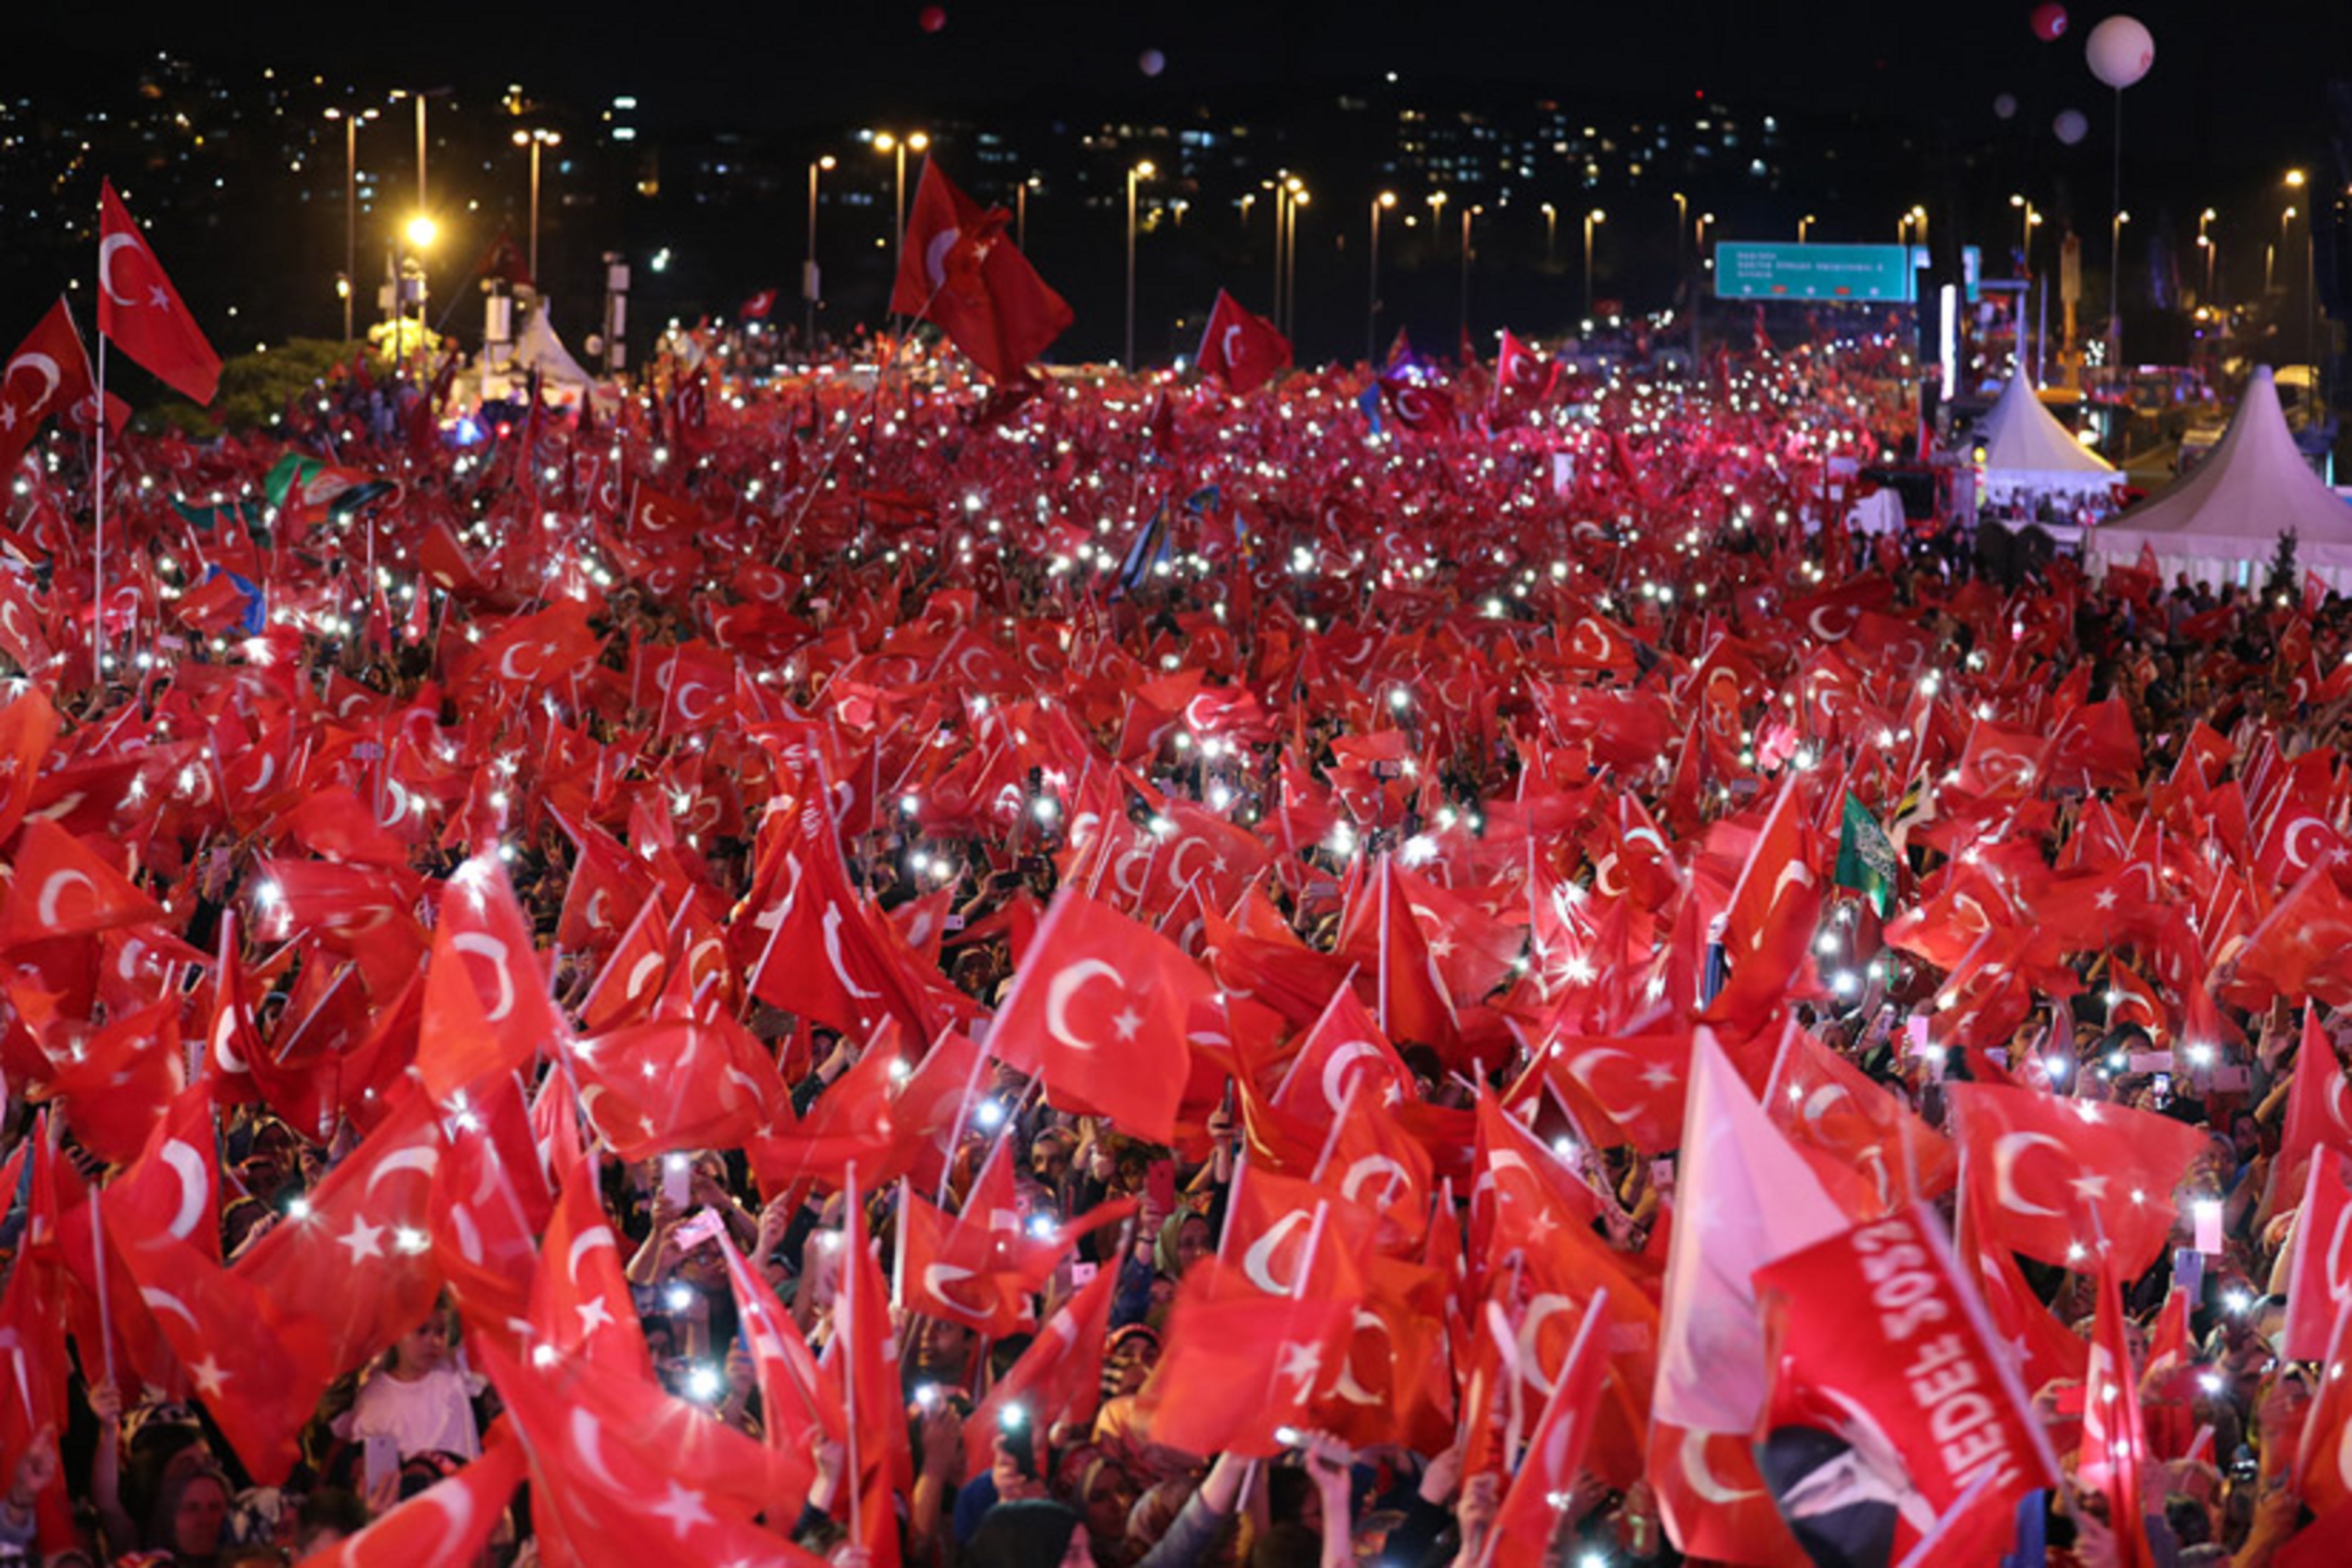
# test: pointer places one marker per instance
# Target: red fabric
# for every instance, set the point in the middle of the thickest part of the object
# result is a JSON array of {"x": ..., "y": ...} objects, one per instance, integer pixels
[
  {"x": 140, "y": 311},
  {"x": 1240, "y": 348},
  {"x": 959, "y": 272}
]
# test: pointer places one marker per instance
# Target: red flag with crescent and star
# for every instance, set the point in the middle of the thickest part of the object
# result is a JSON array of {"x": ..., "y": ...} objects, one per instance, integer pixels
[
  {"x": 141, "y": 312},
  {"x": 959, "y": 273},
  {"x": 1241, "y": 349}
]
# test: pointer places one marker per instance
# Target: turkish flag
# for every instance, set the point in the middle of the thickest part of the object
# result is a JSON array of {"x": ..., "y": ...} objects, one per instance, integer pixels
[
  {"x": 1240, "y": 1364},
  {"x": 489, "y": 1201},
  {"x": 487, "y": 1009},
  {"x": 1418, "y": 405},
  {"x": 2317, "y": 1111},
  {"x": 1241, "y": 349},
  {"x": 1523, "y": 1529},
  {"x": 2319, "y": 1272},
  {"x": 140, "y": 311},
  {"x": 1830, "y": 1107},
  {"x": 1919, "y": 1398},
  {"x": 580, "y": 1299},
  {"x": 2323, "y": 1459},
  {"x": 2053, "y": 1177},
  {"x": 757, "y": 306},
  {"x": 1059, "y": 1378},
  {"x": 959, "y": 273},
  {"x": 1714, "y": 1504},
  {"x": 48, "y": 374},
  {"x": 445, "y": 1526},
  {"x": 678, "y": 1083},
  {"x": 118, "y": 1086},
  {"x": 63, "y": 888},
  {"x": 1104, "y": 1005},
  {"x": 621, "y": 1472},
  {"x": 2113, "y": 1442},
  {"x": 359, "y": 1262}
]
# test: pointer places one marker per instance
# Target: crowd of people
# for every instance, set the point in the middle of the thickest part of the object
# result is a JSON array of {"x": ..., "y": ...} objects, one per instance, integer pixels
[{"x": 900, "y": 973}]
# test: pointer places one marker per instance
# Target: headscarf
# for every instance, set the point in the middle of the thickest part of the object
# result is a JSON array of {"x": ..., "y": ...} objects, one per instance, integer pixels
[{"x": 1030, "y": 1534}]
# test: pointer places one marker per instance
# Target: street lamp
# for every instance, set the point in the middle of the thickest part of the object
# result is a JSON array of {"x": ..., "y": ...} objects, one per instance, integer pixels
[
  {"x": 1381, "y": 204},
  {"x": 1468, "y": 214},
  {"x": 1682, "y": 228},
  {"x": 1551, "y": 230},
  {"x": 1804, "y": 224},
  {"x": 2116, "y": 291},
  {"x": 1142, "y": 171},
  {"x": 1704, "y": 261},
  {"x": 2205, "y": 244},
  {"x": 1436, "y": 211},
  {"x": 351, "y": 205},
  {"x": 1298, "y": 197},
  {"x": 1021, "y": 213},
  {"x": 1597, "y": 217},
  {"x": 811, "y": 280},
  {"x": 886, "y": 143},
  {"x": 2028, "y": 220},
  {"x": 418, "y": 235},
  {"x": 535, "y": 140}
]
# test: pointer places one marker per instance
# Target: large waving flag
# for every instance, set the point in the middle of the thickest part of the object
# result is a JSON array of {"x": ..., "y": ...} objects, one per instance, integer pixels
[
  {"x": 141, "y": 312},
  {"x": 959, "y": 272}
]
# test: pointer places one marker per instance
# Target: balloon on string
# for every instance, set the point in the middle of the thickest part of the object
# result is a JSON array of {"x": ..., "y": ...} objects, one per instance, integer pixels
[
  {"x": 2004, "y": 106},
  {"x": 1151, "y": 62},
  {"x": 2119, "y": 50},
  {"x": 931, "y": 18},
  {"x": 2071, "y": 125},
  {"x": 2048, "y": 21}
]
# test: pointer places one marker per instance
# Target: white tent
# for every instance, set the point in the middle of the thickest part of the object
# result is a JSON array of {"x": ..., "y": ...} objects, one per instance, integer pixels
[
  {"x": 539, "y": 347},
  {"x": 2028, "y": 451},
  {"x": 2221, "y": 522}
]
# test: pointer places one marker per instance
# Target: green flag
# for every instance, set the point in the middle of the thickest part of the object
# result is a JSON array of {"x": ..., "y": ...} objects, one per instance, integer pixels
[{"x": 1865, "y": 860}]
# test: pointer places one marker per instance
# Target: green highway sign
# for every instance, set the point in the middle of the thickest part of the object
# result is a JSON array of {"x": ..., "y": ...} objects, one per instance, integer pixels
[{"x": 1748, "y": 269}]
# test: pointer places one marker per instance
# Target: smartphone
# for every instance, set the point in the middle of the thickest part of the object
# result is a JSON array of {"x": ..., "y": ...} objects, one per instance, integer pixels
[
  {"x": 2189, "y": 1272},
  {"x": 1662, "y": 1174},
  {"x": 677, "y": 1179},
  {"x": 703, "y": 1225},
  {"x": 383, "y": 1460},
  {"x": 2163, "y": 1088},
  {"x": 1160, "y": 1186},
  {"x": 1020, "y": 1444}
]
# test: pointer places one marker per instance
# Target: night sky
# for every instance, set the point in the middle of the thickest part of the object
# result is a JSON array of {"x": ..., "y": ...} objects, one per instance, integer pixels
[{"x": 2240, "y": 84}]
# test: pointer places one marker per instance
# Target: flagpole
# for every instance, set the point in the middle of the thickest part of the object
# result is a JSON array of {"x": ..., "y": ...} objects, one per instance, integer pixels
[
  {"x": 97, "y": 1259},
  {"x": 98, "y": 507},
  {"x": 851, "y": 1230}
]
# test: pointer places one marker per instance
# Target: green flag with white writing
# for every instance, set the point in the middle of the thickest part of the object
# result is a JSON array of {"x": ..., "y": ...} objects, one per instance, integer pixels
[{"x": 1865, "y": 860}]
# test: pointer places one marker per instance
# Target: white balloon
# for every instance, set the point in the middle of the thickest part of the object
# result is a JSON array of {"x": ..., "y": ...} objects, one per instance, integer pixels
[
  {"x": 2120, "y": 50},
  {"x": 2004, "y": 106},
  {"x": 1151, "y": 62},
  {"x": 2070, "y": 126}
]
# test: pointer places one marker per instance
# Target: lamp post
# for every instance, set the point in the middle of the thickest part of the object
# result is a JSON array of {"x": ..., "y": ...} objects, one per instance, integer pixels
[
  {"x": 351, "y": 206},
  {"x": 1682, "y": 229},
  {"x": 535, "y": 140},
  {"x": 2027, "y": 219},
  {"x": 1380, "y": 202},
  {"x": 1468, "y": 212},
  {"x": 1597, "y": 217},
  {"x": 418, "y": 235},
  {"x": 1704, "y": 261},
  {"x": 1021, "y": 213},
  {"x": 1436, "y": 211},
  {"x": 1142, "y": 171},
  {"x": 1551, "y": 232},
  {"x": 811, "y": 280},
  {"x": 1805, "y": 223},
  {"x": 2115, "y": 289},
  {"x": 900, "y": 146},
  {"x": 1298, "y": 198}
]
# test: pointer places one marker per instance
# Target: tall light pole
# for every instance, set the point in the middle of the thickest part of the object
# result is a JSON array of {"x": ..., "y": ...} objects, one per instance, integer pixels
[
  {"x": 1436, "y": 211},
  {"x": 418, "y": 235},
  {"x": 1803, "y": 225},
  {"x": 1021, "y": 213},
  {"x": 351, "y": 206},
  {"x": 1706, "y": 220},
  {"x": 2295, "y": 179},
  {"x": 1468, "y": 212},
  {"x": 889, "y": 144},
  {"x": 1140, "y": 172},
  {"x": 535, "y": 140},
  {"x": 2028, "y": 218},
  {"x": 1682, "y": 230},
  {"x": 811, "y": 280},
  {"x": 1591, "y": 218},
  {"x": 1380, "y": 202},
  {"x": 2205, "y": 244},
  {"x": 1551, "y": 232},
  {"x": 1299, "y": 198},
  {"x": 2115, "y": 289}
]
